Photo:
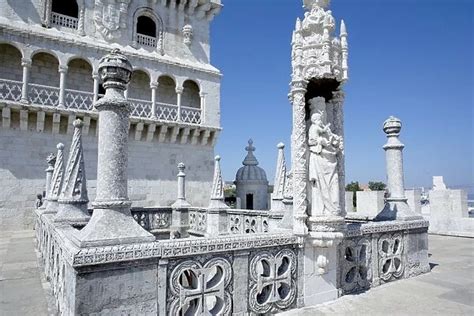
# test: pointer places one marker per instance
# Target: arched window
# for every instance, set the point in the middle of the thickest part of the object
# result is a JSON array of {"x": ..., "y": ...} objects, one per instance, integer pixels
[
  {"x": 65, "y": 13},
  {"x": 146, "y": 31},
  {"x": 191, "y": 96}
]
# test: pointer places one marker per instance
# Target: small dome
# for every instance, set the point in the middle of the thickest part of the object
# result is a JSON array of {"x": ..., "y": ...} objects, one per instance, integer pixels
[{"x": 250, "y": 171}]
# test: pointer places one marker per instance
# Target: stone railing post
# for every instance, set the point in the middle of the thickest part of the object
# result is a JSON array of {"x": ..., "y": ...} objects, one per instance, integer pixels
[
  {"x": 26, "y": 64},
  {"x": 180, "y": 216},
  {"x": 112, "y": 221},
  {"x": 62, "y": 85},
  {"x": 153, "y": 87},
  {"x": 179, "y": 93},
  {"x": 396, "y": 206}
]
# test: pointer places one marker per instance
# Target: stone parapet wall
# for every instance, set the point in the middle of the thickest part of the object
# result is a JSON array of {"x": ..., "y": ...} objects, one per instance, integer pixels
[
  {"x": 164, "y": 277},
  {"x": 379, "y": 252}
]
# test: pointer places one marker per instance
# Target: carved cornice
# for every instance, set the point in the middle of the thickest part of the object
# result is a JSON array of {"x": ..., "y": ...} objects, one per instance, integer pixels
[{"x": 358, "y": 229}]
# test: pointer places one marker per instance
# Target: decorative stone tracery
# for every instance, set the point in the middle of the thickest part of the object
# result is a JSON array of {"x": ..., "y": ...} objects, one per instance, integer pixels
[
  {"x": 390, "y": 249},
  {"x": 201, "y": 288},
  {"x": 356, "y": 269},
  {"x": 272, "y": 284}
]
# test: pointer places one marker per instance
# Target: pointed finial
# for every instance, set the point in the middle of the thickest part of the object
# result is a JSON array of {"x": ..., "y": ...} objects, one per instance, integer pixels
[
  {"x": 343, "y": 28},
  {"x": 217, "y": 158},
  {"x": 217, "y": 191},
  {"x": 280, "y": 145},
  {"x": 181, "y": 167}
]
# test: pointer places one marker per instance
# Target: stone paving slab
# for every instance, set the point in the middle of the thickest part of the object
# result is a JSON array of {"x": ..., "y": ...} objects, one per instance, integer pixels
[{"x": 21, "y": 289}]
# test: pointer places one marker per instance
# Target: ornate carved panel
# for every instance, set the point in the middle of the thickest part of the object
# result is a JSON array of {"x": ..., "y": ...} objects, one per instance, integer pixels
[
  {"x": 272, "y": 281},
  {"x": 390, "y": 248},
  {"x": 356, "y": 269},
  {"x": 200, "y": 287}
]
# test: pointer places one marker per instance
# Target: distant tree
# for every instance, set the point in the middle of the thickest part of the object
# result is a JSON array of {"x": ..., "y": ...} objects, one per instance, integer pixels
[
  {"x": 353, "y": 187},
  {"x": 229, "y": 192},
  {"x": 377, "y": 186}
]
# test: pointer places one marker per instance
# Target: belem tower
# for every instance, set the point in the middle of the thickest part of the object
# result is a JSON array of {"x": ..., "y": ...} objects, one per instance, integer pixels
[
  {"x": 49, "y": 58},
  {"x": 183, "y": 251}
]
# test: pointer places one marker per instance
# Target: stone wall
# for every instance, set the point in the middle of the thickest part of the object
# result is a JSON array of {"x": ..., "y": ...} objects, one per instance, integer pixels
[
  {"x": 139, "y": 87},
  {"x": 44, "y": 70},
  {"x": 10, "y": 61},
  {"x": 79, "y": 76},
  {"x": 152, "y": 170}
]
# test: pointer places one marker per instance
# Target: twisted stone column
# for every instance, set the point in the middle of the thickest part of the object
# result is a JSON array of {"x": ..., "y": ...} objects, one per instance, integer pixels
[
  {"x": 112, "y": 222},
  {"x": 396, "y": 206},
  {"x": 299, "y": 158}
]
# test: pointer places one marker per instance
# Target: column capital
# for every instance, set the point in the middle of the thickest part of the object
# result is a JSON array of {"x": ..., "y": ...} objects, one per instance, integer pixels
[
  {"x": 179, "y": 90},
  {"x": 154, "y": 85},
  {"x": 202, "y": 94},
  {"x": 62, "y": 69},
  {"x": 26, "y": 62},
  {"x": 95, "y": 76}
]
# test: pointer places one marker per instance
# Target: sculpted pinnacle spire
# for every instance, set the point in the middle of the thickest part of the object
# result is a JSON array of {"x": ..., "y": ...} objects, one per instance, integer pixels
[
  {"x": 73, "y": 198},
  {"x": 56, "y": 180},
  {"x": 217, "y": 193}
]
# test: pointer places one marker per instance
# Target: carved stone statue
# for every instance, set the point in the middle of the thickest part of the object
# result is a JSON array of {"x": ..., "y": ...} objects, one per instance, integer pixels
[{"x": 323, "y": 148}]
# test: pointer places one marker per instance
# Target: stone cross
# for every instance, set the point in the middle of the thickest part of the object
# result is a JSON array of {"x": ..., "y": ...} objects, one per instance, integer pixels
[
  {"x": 56, "y": 181},
  {"x": 72, "y": 208},
  {"x": 112, "y": 222},
  {"x": 396, "y": 206}
]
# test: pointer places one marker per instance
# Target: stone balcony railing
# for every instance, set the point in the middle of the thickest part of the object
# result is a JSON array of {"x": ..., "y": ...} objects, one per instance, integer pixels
[
  {"x": 157, "y": 220},
  {"x": 47, "y": 96},
  {"x": 64, "y": 20},
  {"x": 145, "y": 40}
]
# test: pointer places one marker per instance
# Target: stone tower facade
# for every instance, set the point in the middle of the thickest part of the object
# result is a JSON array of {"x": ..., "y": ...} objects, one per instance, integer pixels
[{"x": 49, "y": 57}]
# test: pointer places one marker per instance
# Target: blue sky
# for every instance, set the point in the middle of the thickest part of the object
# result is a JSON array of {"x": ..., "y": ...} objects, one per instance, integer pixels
[{"x": 412, "y": 59}]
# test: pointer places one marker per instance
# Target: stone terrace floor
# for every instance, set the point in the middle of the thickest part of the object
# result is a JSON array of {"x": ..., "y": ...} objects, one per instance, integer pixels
[{"x": 447, "y": 290}]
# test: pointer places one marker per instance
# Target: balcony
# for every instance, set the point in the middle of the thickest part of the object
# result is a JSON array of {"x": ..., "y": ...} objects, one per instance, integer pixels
[
  {"x": 47, "y": 96},
  {"x": 62, "y": 20},
  {"x": 145, "y": 40}
]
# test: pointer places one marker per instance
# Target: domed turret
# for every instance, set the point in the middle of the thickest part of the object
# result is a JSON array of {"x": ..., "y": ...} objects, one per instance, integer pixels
[{"x": 251, "y": 182}]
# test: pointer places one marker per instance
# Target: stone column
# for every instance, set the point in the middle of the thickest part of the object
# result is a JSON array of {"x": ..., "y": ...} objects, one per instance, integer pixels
[
  {"x": 26, "y": 64},
  {"x": 179, "y": 92},
  {"x": 299, "y": 157},
  {"x": 180, "y": 216},
  {"x": 112, "y": 222},
  {"x": 80, "y": 22},
  {"x": 153, "y": 87},
  {"x": 96, "y": 86},
  {"x": 396, "y": 206},
  {"x": 62, "y": 85},
  {"x": 203, "y": 108}
]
